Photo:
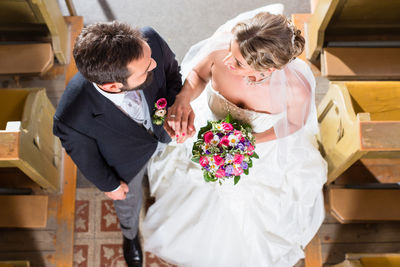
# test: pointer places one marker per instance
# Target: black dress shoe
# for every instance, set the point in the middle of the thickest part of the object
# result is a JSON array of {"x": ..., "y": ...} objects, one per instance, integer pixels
[{"x": 133, "y": 252}]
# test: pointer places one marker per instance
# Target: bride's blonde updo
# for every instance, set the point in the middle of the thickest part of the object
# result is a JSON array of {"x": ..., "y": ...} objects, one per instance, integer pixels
[{"x": 268, "y": 41}]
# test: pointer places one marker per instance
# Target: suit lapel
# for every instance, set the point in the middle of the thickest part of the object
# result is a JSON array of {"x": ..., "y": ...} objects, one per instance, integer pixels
[{"x": 110, "y": 116}]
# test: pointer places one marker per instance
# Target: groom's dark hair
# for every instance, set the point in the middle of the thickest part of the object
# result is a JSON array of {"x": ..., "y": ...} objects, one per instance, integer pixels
[{"x": 103, "y": 51}]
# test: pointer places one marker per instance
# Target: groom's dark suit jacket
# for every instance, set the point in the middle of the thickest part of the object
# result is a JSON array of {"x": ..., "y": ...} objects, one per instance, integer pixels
[{"x": 106, "y": 144}]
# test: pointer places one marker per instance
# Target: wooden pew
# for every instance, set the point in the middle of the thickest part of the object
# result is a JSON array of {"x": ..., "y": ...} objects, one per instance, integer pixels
[
  {"x": 14, "y": 264},
  {"x": 26, "y": 139},
  {"x": 370, "y": 260},
  {"x": 21, "y": 211},
  {"x": 35, "y": 21},
  {"x": 353, "y": 205},
  {"x": 359, "y": 120},
  {"x": 34, "y": 59},
  {"x": 355, "y": 39}
]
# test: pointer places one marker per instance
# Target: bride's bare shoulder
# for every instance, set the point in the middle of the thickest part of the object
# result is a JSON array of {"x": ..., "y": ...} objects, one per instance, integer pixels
[
  {"x": 207, "y": 62},
  {"x": 218, "y": 54}
]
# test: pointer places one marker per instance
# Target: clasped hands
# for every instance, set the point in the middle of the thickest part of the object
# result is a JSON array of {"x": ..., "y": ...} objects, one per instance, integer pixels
[{"x": 179, "y": 123}]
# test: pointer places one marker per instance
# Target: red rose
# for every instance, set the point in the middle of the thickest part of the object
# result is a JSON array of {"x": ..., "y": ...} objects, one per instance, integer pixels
[
  {"x": 203, "y": 161},
  {"x": 224, "y": 141},
  {"x": 227, "y": 126},
  {"x": 238, "y": 158},
  {"x": 219, "y": 160},
  {"x": 161, "y": 103},
  {"x": 208, "y": 136}
]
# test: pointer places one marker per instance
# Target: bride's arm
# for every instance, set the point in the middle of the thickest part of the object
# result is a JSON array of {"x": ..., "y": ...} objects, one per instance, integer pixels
[
  {"x": 266, "y": 136},
  {"x": 197, "y": 79}
]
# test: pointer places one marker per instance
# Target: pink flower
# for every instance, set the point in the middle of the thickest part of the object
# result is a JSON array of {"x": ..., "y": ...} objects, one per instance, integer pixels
[
  {"x": 250, "y": 153},
  {"x": 219, "y": 160},
  {"x": 161, "y": 103},
  {"x": 203, "y": 161},
  {"x": 238, "y": 158},
  {"x": 208, "y": 136},
  {"x": 250, "y": 148},
  {"x": 227, "y": 126},
  {"x": 238, "y": 134},
  {"x": 220, "y": 173},
  {"x": 237, "y": 171},
  {"x": 224, "y": 141}
]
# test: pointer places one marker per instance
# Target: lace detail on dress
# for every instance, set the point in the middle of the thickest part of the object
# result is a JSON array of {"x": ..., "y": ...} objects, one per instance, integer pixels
[{"x": 220, "y": 106}]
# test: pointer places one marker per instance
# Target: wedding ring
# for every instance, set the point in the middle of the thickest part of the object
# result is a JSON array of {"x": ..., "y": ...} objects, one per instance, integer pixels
[{"x": 172, "y": 116}]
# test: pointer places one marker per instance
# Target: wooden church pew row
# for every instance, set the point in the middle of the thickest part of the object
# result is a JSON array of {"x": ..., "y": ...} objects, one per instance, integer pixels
[
  {"x": 350, "y": 205},
  {"x": 20, "y": 211},
  {"x": 34, "y": 59},
  {"x": 360, "y": 120},
  {"x": 370, "y": 260},
  {"x": 35, "y": 21},
  {"x": 360, "y": 63},
  {"x": 29, "y": 143}
]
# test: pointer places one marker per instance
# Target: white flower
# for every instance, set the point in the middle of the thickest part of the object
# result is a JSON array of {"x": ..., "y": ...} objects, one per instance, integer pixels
[
  {"x": 160, "y": 112},
  {"x": 213, "y": 167},
  {"x": 215, "y": 140},
  {"x": 233, "y": 140},
  {"x": 219, "y": 127}
]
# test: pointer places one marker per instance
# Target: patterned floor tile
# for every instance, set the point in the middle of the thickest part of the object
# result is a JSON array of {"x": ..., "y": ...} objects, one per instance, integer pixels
[{"x": 98, "y": 237}]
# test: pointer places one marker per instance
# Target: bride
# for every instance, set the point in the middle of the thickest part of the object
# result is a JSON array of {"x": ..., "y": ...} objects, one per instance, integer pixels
[{"x": 248, "y": 68}]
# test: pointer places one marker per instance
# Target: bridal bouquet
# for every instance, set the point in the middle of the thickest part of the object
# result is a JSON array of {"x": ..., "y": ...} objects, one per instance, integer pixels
[{"x": 224, "y": 150}]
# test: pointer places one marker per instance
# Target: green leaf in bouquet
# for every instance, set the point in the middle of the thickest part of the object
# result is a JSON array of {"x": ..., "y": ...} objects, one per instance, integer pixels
[
  {"x": 206, "y": 177},
  {"x": 197, "y": 146},
  {"x": 204, "y": 129},
  {"x": 255, "y": 155},
  {"x": 196, "y": 159},
  {"x": 229, "y": 118},
  {"x": 250, "y": 163},
  {"x": 236, "y": 179},
  {"x": 246, "y": 171}
]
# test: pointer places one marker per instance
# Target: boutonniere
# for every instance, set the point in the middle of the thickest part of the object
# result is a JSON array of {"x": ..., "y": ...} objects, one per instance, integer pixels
[{"x": 160, "y": 111}]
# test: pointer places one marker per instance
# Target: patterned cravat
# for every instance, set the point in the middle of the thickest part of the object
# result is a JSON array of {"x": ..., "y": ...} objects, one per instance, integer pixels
[{"x": 132, "y": 105}]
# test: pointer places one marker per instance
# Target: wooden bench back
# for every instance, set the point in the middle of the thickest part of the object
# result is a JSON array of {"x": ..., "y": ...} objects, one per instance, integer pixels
[
  {"x": 353, "y": 23},
  {"x": 380, "y": 99},
  {"x": 12, "y": 103}
]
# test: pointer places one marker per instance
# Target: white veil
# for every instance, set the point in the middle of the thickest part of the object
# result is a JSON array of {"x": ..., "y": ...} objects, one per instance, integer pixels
[{"x": 294, "y": 83}]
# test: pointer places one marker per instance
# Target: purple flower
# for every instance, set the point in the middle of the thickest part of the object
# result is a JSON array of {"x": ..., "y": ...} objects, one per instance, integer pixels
[
  {"x": 229, "y": 158},
  {"x": 207, "y": 168},
  {"x": 208, "y": 152},
  {"x": 220, "y": 135},
  {"x": 247, "y": 143},
  {"x": 241, "y": 146},
  {"x": 229, "y": 170},
  {"x": 244, "y": 165}
]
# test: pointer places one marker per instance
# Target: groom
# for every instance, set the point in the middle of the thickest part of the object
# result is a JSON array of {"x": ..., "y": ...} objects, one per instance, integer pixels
[{"x": 104, "y": 116}]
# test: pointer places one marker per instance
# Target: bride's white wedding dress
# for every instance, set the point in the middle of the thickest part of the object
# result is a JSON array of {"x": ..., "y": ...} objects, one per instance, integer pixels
[{"x": 264, "y": 220}]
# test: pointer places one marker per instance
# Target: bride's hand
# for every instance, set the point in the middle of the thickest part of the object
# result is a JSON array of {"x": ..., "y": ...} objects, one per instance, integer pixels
[{"x": 180, "y": 119}]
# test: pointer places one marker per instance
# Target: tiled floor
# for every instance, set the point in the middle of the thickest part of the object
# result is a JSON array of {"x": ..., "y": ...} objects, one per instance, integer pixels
[{"x": 98, "y": 239}]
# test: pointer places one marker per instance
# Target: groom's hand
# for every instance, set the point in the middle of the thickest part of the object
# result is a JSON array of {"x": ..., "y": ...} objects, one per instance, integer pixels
[{"x": 120, "y": 193}]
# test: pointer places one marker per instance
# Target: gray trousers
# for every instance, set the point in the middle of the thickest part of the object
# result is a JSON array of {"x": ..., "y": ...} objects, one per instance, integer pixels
[{"x": 128, "y": 210}]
